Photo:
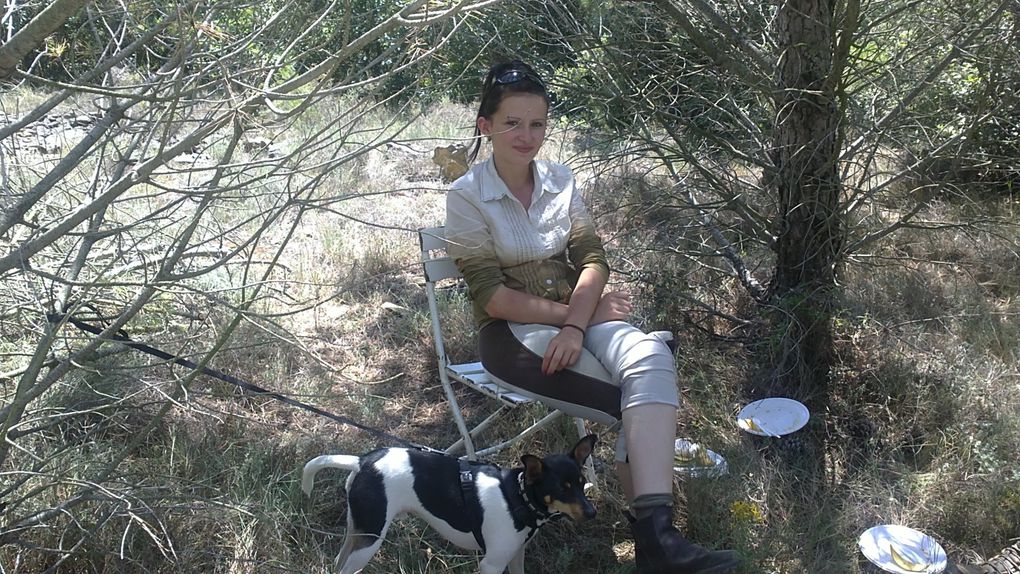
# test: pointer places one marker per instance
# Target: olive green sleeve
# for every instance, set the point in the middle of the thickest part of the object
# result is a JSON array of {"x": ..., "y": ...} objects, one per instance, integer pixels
[{"x": 584, "y": 245}]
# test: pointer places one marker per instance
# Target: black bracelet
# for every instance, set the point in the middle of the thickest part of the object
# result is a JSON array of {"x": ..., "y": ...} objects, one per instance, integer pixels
[{"x": 565, "y": 325}]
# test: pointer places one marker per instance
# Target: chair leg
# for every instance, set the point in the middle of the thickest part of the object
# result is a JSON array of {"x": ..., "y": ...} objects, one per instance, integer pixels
[
  {"x": 542, "y": 423},
  {"x": 469, "y": 445},
  {"x": 453, "y": 448}
]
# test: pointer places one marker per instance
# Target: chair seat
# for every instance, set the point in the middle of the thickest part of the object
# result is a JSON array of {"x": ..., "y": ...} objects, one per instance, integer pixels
[{"x": 474, "y": 376}]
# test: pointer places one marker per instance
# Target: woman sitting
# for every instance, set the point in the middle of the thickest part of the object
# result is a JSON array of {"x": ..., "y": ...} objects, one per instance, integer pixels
[{"x": 536, "y": 271}]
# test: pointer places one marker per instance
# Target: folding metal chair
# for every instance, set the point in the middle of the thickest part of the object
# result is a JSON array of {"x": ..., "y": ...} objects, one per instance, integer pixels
[{"x": 438, "y": 266}]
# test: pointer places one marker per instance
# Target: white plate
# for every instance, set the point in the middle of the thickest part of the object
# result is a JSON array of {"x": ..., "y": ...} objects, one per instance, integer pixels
[
  {"x": 718, "y": 469},
  {"x": 773, "y": 417},
  {"x": 921, "y": 552}
]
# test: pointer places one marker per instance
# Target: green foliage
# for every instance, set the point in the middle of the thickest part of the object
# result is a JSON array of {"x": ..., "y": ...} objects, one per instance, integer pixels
[
  {"x": 529, "y": 30},
  {"x": 637, "y": 66},
  {"x": 972, "y": 103}
]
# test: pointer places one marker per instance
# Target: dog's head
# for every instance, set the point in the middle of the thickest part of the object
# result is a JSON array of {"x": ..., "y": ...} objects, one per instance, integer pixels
[{"x": 557, "y": 482}]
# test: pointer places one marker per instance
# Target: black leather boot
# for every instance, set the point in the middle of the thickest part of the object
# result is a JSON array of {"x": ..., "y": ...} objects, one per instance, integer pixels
[{"x": 660, "y": 549}]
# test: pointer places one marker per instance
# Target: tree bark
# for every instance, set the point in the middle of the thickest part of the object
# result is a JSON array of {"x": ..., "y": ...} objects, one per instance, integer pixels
[{"x": 810, "y": 227}]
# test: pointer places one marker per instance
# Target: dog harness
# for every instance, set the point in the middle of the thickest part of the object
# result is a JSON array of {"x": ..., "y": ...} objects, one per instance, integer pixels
[{"x": 470, "y": 495}]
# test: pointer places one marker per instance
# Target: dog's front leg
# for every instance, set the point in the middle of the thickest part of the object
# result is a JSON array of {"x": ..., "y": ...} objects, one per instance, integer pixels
[
  {"x": 489, "y": 567},
  {"x": 517, "y": 562},
  {"x": 496, "y": 563}
]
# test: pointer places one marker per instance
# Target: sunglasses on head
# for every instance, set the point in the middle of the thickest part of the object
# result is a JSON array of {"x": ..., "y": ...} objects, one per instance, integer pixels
[{"x": 514, "y": 76}]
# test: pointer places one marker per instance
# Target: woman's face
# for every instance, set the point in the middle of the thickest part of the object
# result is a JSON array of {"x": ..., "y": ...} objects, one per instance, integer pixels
[{"x": 516, "y": 128}]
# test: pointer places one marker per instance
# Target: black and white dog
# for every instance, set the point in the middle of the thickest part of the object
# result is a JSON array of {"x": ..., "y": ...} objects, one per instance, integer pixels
[{"x": 475, "y": 505}]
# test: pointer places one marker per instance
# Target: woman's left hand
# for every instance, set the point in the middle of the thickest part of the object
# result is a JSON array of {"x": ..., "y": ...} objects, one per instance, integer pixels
[{"x": 564, "y": 350}]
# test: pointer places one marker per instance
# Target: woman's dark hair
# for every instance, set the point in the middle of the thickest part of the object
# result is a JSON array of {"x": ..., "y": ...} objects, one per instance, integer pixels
[{"x": 513, "y": 77}]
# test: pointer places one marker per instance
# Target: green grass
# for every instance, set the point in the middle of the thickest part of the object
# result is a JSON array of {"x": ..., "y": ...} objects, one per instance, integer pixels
[{"x": 922, "y": 428}]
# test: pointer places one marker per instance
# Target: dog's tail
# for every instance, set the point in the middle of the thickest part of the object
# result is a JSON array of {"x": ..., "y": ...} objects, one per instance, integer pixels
[{"x": 341, "y": 461}]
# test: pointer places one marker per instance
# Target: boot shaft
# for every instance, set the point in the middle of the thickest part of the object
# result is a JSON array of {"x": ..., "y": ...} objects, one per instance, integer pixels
[{"x": 659, "y": 548}]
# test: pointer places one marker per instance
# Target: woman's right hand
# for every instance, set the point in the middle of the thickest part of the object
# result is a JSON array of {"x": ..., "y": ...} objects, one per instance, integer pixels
[{"x": 613, "y": 306}]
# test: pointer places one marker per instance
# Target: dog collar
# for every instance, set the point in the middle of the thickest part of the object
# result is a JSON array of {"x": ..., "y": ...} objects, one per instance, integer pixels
[{"x": 542, "y": 514}]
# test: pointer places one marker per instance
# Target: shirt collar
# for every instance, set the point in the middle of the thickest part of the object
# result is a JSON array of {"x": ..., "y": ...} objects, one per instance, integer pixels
[{"x": 493, "y": 187}]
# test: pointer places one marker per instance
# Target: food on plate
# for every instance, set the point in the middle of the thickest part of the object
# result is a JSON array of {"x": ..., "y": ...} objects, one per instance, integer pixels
[
  {"x": 752, "y": 425},
  {"x": 692, "y": 455},
  {"x": 906, "y": 563}
]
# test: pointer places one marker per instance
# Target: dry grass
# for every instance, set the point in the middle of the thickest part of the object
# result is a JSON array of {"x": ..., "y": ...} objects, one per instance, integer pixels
[{"x": 923, "y": 425}]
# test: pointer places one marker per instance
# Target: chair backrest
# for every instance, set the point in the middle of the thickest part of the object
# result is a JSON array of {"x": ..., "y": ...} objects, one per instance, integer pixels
[
  {"x": 436, "y": 266},
  {"x": 435, "y": 260}
]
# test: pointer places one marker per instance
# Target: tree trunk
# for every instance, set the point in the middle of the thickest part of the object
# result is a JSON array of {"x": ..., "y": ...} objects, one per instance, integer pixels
[
  {"x": 810, "y": 226},
  {"x": 35, "y": 32}
]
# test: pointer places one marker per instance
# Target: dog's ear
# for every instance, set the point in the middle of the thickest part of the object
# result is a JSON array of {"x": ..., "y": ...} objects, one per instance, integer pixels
[
  {"x": 533, "y": 468},
  {"x": 582, "y": 450}
]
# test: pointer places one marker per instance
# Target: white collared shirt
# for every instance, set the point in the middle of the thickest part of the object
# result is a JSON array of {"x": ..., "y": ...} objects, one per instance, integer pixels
[{"x": 495, "y": 241}]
